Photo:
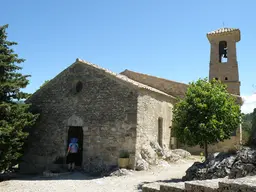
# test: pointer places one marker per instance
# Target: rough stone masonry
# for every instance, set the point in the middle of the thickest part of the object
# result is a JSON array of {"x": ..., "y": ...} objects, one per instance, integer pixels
[{"x": 114, "y": 113}]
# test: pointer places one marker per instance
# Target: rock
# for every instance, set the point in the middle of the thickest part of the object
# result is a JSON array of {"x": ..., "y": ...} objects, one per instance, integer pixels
[
  {"x": 163, "y": 163},
  {"x": 121, "y": 172},
  {"x": 183, "y": 153},
  {"x": 247, "y": 155},
  {"x": 148, "y": 154},
  {"x": 171, "y": 157},
  {"x": 220, "y": 165},
  {"x": 156, "y": 147},
  {"x": 141, "y": 165},
  {"x": 241, "y": 170},
  {"x": 138, "y": 156},
  {"x": 151, "y": 153}
]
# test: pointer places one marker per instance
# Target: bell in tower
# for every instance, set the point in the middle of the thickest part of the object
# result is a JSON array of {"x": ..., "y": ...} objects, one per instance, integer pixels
[{"x": 223, "y": 50}]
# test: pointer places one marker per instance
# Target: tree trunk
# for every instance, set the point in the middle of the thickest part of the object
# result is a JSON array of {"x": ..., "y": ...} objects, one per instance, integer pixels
[{"x": 205, "y": 150}]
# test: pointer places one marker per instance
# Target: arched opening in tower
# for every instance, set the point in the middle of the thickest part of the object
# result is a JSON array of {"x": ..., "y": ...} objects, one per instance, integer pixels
[{"x": 223, "y": 51}]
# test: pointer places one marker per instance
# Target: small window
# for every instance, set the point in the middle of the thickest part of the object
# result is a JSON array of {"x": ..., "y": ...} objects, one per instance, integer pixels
[
  {"x": 226, "y": 78},
  {"x": 79, "y": 86},
  {"x": 216, "y": 78}
]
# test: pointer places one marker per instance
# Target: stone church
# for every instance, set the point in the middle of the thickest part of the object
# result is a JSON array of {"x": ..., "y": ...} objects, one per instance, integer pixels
[{"x": 111, "y": 112}]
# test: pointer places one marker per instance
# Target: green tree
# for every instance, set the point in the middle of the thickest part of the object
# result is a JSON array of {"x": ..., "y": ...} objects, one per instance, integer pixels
[
  {"x": 14, "y": 116},
  {"x": 246, "y": 127},
  {"x": 253, "y": 128},
  {"x": 45, "y": 82},
  {"x": 208, "y": 114},
  {"x": 254, "y": 119}
]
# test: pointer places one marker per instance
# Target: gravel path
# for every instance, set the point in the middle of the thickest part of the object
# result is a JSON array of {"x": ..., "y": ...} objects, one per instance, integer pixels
[{"x": 78, "y": 182}]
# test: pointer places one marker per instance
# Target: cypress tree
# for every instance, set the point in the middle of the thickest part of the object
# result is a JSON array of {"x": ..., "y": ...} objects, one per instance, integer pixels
[{"x": 14, "y": 115}]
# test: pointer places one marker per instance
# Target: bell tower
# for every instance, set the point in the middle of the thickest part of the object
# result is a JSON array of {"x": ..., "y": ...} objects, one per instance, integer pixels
[{"x": 223, "y": 58}]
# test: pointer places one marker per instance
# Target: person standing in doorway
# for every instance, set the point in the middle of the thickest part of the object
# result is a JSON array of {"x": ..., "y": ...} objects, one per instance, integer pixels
[{"x": 72, "y": 153}]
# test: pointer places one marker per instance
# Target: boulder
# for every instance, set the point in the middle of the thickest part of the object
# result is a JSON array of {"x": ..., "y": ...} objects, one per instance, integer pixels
[
  {"x": 148, "y": 154},
  {"x": 152, "y": 152},
  {"x": 163, "y": 163},
  {"x": 220, "y": 165},
  {"x": 141, "y": 165},
  {"x": 156, "y": 147},
  {"x": 181, "y": 152},
  {"x": 121, "y": 172},
  {"x": 171, "y": 157}
]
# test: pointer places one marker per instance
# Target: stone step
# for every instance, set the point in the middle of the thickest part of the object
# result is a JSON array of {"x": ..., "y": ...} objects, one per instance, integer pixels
[
  {"x": 151, "y": 187},
  {"x": 164, "y": 187},
  {"x": 172, "y": 187},
  {"x": 191, "y": 186},
  {"x": 203, "y": 185},
  {"x": 247, "y": 184}
]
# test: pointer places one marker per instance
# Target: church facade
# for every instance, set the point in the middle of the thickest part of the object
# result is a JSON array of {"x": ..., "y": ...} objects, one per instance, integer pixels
[{"x": 111, "y": 112}]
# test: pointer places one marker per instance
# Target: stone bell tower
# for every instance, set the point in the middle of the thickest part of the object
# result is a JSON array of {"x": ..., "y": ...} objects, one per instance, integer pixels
[{"x": 223, "y": 58}]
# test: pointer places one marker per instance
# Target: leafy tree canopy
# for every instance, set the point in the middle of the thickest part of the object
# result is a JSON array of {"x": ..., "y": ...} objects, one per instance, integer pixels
[
  {"x": 208, "y": 114},
  {"x": 252, "y": 140}
]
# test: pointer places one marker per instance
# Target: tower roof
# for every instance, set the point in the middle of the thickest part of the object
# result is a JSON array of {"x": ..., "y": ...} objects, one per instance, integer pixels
[
  {"x": 225, "y": 31},
  {"x": 222, "y": 30}
]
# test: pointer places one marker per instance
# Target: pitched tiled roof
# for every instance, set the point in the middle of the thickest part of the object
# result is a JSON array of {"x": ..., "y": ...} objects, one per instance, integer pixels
[
  {"x": 223, "y": 30},
  {"x": 174, "y": 88},
  {"x": 170, "y": 87},
  {"x": 125, "y": 78}
]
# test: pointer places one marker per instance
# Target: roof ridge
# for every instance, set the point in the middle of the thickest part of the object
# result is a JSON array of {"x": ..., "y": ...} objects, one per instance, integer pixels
[
  {"x": 153, "y": 76},
  {"x": 124, "y": 78},
  {"x": 222, "y": 30}
]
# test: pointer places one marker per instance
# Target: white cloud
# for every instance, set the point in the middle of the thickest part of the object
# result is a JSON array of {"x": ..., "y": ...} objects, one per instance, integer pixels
[{"x": 249, "y": 103}]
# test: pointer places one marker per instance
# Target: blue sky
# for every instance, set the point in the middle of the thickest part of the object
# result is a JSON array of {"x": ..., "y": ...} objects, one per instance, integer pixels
[{"x": 162, "y": 38}]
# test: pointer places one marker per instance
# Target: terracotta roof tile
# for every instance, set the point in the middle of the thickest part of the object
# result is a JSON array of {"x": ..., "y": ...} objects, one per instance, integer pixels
[
  {"x": 176, "y": 89},
  {"x": 223, "y": 30},
  {"x": 125, "y": 78}
]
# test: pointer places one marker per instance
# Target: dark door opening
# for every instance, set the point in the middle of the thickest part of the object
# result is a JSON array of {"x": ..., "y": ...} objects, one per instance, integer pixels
[
  {"x": 77, "y": 132},
  {"x": 160, "y": 131}
]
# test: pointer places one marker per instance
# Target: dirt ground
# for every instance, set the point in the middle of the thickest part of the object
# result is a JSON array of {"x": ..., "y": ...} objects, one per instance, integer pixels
[{"x": 78, "y": 182}]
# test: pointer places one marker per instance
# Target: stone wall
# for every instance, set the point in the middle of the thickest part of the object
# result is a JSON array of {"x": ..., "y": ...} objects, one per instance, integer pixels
[
  {"x": 104, "y": 108},
  {"x": 227, "y": 145},
  {"x": 227, "y": 74},
  {"x": 150, "y": 108}
]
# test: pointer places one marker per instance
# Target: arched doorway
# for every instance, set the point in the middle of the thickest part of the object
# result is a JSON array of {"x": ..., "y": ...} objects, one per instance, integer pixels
[{"x": 77, "y": 132}]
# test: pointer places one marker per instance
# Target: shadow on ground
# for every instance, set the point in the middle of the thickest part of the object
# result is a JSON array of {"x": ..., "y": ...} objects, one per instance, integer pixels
[
  {"x": 158, "y": 181},
  {"x": 76, "y": 175}
]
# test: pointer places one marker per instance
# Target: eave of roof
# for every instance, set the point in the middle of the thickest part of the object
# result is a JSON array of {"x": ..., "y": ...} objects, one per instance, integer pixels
[
  {"x": 223, "y": 30},
  {"x": 124, "y": 78}
]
